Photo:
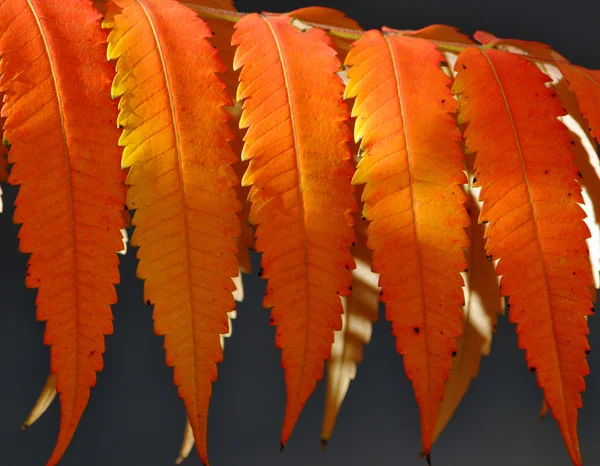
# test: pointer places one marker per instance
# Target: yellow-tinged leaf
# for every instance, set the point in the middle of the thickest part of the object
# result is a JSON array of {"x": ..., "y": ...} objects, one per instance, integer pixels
[
  {"x": 60, "y": 122},
  {"x": 181, "y": 184},
  {"x": 530, "y": 197},
  {"x": 361, "y": 309},
  {"x": 301, "y": 193},
  {"x": 413, "y": 169},
  {"x": 43, "y": 402},
  {"x": 324, "y": 16},
  {"x": 483, "y": 303},
  {"x": 187, "y": 444}
]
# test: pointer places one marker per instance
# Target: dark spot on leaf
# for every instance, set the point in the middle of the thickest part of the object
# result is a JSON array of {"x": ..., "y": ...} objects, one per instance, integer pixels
[
  {"x": 579, "y": 175},
  {"x": 546, "y": 172},
  {"x": 91, "y": 353},
  {"x": 532, "y": 369},
  {"x": 353, "y": 243},
  {"x": 416, "y": 329},
  {"x": 381, "y": 293},
  {"x": 464, "y": 67},
  {"x": 587, "y": 352},
  {"x": 572, "y": 143},
  {"x": 453, "y": 354},
  {"x": 350, "y": 288},
  {"x": 121, "y": 126},
  {"x": 148, "y": 302},
  {"x": 443, "y": 101},
  {"x": 489, "y": 257},
  {"x": 474, "y": 180}
]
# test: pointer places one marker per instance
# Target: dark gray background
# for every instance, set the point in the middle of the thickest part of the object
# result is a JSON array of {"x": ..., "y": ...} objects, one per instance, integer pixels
[{"x": 135, "y": 417}]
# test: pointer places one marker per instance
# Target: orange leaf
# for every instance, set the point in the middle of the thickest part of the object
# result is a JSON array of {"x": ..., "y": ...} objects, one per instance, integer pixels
[
  {"x": 181, "y": 185},
  {"x": 63, "y": 136},
  {"x": 412, "y": 168},
  {"x": 536, "y": 228},
  {"x": 301, "y": 193}
]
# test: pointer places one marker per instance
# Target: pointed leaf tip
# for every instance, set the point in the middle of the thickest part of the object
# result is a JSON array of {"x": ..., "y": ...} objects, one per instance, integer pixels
[{"x": 281, "y": 446}]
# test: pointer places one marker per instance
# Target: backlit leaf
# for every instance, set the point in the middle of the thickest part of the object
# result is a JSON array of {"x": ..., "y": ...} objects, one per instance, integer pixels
[
  {"x": 412, "y": 167},
  {"x": 301, "y": 193},
  {"x": 536, "y": 229},
  {"x": 60, "y": 122}
]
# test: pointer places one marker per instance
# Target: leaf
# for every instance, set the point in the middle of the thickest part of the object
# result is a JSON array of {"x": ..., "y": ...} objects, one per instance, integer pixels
[
  {"x": 181, "y": 185},
  {"x": 43, "y": 402},
  {"x": 301, "y": 193},
  {"x": 324, "y": 16},
  {"x": 437, "y": 32},
  {"x": 361, "y": 309},
  {"x": 187, "y": 444},
  {"x": 536, "y": 228},
  {"x": 62, "y": 132},
  {"x": 480, "y": 315},
  {"x": 412, "y": 167}
]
